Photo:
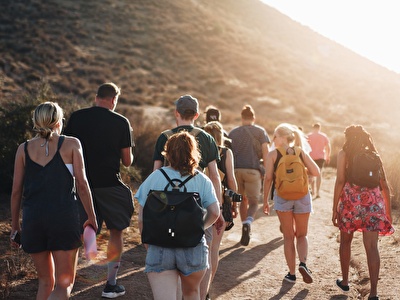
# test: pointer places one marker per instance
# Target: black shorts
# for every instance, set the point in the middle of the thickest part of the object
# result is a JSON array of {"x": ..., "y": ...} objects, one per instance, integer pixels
[
  {"x": 51, "y": 231},
  {"x": 113, "y": 205}
]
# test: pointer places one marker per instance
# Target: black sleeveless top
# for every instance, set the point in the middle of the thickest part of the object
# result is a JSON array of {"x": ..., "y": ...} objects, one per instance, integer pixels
[{"x": 50, "y": 217}]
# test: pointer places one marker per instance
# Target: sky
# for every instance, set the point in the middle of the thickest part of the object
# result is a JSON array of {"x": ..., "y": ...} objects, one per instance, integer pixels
[{"x": 370, "y": 28}]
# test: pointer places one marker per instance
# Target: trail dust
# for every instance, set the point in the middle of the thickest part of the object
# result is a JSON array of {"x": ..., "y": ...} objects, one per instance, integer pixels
[{"x": 257, "y": 270}]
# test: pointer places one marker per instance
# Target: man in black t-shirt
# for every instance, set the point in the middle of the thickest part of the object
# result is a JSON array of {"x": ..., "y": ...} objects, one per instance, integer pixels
[{"x": 106, "y": 138}]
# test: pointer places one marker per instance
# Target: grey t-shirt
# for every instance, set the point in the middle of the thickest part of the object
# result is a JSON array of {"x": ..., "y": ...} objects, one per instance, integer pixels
[{"x": 242, "y": 145}]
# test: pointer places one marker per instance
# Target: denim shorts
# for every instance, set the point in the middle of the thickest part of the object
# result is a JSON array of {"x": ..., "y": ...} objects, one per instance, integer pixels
[
  {"x": 185, "y": 260},
  {"x": 301, "y": 206}
]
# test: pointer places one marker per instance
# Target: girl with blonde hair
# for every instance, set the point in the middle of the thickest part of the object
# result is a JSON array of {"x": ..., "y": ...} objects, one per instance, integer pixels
[
  {"x": 48, "y": 170},
  {"x": 293, "y": 214}
]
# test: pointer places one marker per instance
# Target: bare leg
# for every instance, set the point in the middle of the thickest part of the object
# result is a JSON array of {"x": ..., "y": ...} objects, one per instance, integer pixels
[
  {"x": 345, "y": 254},
  {"x": 206, "y": 280},
  {"x": 301, "y": 224},
  {"x": 115, "y": 245},
  {"x": 213, "y": 261},
  {"x": 191, "y": 285},
  {"x": 164, "y": 285},
  {"x": 318, "y": 184},
  {"x": 253, "y": 206},
  {"x": 286, "y": 220},
  {"x": 243, "y": 207},
  {"x": 370, "y": 239},
  {"x": 44, "y": 265},
  {"x": 114, "y": 253},
  {"x": 65, "y": 270}
]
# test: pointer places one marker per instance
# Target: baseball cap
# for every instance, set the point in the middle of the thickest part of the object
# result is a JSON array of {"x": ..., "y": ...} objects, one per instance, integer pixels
[
  {"x": 212, "y": 114},
  {"x": 187, "y": 103}
]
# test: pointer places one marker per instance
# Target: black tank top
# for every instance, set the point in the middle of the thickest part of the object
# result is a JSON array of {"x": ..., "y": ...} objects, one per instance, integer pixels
[{"x": 51, "y": 187}]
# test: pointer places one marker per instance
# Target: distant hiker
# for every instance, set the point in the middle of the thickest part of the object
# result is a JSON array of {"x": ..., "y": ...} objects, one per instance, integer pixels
[
  {"x": 107, "y": 140},
  {"x": 164, "y": 266},
  {"x": 49, "y": 169},
  {"x": 357, "y": 207},
  {"x": 186, "y": 112},
  {"x": 293, "y": 214},
  {"x": 320, "y": 153},
  {"x": 250, "y": 149},
  {"x": 214, "y": 114},
  {"x": 228, "y": 180}
]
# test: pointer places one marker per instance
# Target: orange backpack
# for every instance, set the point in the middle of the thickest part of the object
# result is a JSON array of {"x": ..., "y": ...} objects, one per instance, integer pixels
[{"x": 291, "y": 179}]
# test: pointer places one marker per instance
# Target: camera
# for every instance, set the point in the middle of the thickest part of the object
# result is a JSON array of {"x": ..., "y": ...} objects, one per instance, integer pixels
[{"x": 234, "y": 196}]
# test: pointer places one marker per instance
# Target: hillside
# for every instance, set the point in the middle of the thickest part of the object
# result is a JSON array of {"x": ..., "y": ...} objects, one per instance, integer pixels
[{"x": 227, "y": 52}]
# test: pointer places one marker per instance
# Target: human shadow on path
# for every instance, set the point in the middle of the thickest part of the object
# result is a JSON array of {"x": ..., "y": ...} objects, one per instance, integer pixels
[
  {"x": 286, "y": 287},
  {"x": 244, "y": 261}
]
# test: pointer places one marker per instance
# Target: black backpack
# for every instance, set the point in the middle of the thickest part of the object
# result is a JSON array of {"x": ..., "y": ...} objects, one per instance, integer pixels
[
  {"x": 173, "y": 219},
  {"x": 365, "y": 170}
]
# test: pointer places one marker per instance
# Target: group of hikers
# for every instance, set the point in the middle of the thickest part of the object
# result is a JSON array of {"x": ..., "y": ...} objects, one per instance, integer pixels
[{"x": 66, "y": 179}]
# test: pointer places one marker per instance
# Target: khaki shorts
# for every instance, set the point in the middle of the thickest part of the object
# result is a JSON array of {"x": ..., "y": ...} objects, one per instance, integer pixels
[{"x": 249, "y": 183}]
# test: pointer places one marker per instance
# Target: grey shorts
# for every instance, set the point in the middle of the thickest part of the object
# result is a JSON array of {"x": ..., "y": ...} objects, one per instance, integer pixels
[
  {"x": 303, "y": 205},
  {"x": 185, "y": 260},
  {"x": 114, "y": 206}
]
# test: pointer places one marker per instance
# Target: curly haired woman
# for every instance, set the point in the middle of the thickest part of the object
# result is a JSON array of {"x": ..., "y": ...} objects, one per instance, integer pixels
[{"x": 360, "y": 208}]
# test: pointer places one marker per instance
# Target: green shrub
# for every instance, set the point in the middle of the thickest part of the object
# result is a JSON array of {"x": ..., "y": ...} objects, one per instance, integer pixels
[{"x": 16, "y": 126}]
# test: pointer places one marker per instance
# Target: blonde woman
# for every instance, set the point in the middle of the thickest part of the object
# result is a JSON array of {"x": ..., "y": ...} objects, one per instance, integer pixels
[
  {"x": 293, "y": 214},
  {"x": 48, "y": 169}
]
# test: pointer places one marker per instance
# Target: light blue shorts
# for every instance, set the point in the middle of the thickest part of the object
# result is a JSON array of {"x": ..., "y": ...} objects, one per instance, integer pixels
[
  {"x": 185, "y": 260},
  {"x": 301, "y": 206}
]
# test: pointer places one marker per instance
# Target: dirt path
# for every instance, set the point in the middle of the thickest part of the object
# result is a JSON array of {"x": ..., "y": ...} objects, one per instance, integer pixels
[{"x": 256, "y": 271}]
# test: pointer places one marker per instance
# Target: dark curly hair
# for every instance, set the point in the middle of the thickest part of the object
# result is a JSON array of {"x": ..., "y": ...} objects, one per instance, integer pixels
[{"x": 357, "y": 139}]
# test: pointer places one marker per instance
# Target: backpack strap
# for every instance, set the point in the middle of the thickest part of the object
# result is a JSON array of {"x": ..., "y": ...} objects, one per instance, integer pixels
[
  {"x": 281, "y": 151},
  {"x": 195, "y": 132},
  {"x": 174, "y": 185},
  {"x": 253, "y": 139},
  {"x": 60, "y": 141}
]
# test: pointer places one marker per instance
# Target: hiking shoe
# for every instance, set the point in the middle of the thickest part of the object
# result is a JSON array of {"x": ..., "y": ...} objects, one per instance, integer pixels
[
  {"x": 245, "y": 234},
  {"x": 290, "y": 278},
  {"x": 113, "y": 291},
  {"x": 343, "y": 288},
  {"x": 306, "y": 273}
]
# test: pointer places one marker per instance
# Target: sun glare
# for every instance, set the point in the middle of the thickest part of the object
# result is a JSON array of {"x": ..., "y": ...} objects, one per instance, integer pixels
[{"x": 367, "y": 27}]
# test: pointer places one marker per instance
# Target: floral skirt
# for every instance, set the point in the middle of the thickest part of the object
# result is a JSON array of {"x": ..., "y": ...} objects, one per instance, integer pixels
[{"x": 363, "y": 209}]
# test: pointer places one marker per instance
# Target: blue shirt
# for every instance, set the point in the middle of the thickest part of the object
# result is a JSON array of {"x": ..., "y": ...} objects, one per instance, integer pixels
[{"x": 199, "y": 183}]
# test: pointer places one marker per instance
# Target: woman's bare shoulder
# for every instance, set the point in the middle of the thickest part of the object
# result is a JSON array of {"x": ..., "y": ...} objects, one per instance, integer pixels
[{"x": 72, "y": 141}]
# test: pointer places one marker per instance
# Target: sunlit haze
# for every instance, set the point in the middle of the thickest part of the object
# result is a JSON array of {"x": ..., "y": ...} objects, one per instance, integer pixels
[{"x": 367, "y": 27}]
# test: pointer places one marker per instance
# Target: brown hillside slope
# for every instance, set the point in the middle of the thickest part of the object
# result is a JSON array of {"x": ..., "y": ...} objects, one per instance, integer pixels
[{"x": 225, "y": 52}]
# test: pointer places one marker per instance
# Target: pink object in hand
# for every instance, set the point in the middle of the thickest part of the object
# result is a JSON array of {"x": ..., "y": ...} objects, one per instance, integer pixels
[{"x": 89, "y": 241}]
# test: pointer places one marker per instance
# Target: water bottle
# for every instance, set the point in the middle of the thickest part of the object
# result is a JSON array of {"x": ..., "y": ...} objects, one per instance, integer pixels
[{"x": 89, "y": 241}]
